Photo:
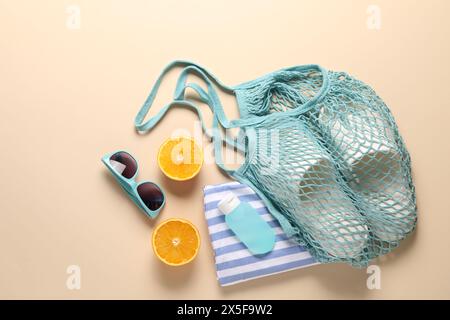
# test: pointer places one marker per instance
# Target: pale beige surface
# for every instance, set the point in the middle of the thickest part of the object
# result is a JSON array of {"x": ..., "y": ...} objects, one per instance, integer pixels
[{"x": 69, "y": 96}]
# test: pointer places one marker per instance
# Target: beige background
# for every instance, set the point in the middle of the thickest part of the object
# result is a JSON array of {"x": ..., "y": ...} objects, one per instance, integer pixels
[{"x": 69, "y": 96}]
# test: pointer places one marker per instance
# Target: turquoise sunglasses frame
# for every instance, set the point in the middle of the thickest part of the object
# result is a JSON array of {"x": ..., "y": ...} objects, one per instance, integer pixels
[{"x": 130, "y": 185}]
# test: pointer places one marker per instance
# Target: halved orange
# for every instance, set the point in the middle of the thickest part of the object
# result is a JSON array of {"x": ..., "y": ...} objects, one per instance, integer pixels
[
  {"x": 180, "y": 158},
  {"x": 176, "y": 241}
]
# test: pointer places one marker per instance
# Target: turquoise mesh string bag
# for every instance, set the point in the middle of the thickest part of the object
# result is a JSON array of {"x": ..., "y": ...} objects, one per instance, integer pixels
[{"x": 321, "y": 149}]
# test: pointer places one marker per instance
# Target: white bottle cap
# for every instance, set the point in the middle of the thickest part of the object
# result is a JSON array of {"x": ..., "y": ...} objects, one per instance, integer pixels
[{"x": 228, "y": 203}]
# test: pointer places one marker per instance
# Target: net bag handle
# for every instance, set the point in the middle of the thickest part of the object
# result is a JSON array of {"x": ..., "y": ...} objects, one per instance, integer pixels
[{"x": 211, "y": 98}]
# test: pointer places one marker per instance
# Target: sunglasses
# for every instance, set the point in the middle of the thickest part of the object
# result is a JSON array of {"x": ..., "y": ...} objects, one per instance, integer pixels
[{"x": 146, "y": 195}]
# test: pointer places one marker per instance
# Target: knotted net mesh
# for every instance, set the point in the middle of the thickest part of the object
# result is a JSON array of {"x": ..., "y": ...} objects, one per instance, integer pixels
[{"x": 337, "y": 169}]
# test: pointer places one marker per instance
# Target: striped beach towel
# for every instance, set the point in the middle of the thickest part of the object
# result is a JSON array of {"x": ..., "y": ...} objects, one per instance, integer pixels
[{"x": 234, "y": 262}]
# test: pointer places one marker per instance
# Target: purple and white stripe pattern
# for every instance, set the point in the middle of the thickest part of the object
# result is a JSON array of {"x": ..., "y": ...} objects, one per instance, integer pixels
[{"x": 234, "y": 262}]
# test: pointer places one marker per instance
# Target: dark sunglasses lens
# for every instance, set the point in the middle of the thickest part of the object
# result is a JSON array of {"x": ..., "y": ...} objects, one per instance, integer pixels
[
  {"x": 151, "y": 195},
  {"x": 124, "y": 164}
]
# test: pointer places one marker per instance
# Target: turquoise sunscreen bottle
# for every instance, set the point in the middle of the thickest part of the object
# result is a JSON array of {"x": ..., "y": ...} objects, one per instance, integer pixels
[{"x": 247, "y": 225}]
